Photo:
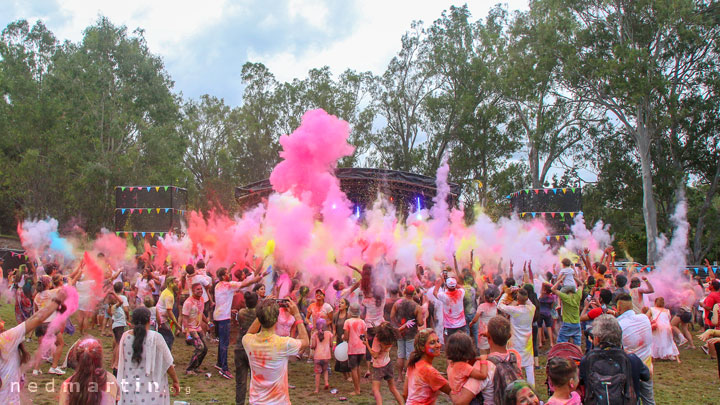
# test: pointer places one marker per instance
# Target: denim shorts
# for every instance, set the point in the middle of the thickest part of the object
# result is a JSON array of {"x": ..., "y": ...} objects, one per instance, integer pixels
[
  {"x": 570, "y": 331},
  {"x": 405, "y": 347}
]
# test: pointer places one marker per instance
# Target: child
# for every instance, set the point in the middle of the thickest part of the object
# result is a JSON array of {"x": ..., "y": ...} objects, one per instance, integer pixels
[
  {"x": 563, "y": 376},
  {"x": 120, "y": 310},
  {"x": 485, "y": 312},
  {"x": 320, "y": 342},
  {"x": 461, "y": 353},
  {"x": 355, "y": 329},
  {"x": 150, "y": 304},
  {"x": 385, "y": 338}
]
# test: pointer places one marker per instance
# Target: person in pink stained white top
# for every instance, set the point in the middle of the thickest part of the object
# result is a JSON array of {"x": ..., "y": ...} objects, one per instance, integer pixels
[
  {"x": 355, "y": 329},
  {"x": 320, "y": 341},
  {"x": 453, "y": 308}
]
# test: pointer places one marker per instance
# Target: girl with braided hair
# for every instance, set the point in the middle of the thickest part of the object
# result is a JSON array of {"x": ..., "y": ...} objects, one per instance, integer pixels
[{"x": 90, "y": 384}]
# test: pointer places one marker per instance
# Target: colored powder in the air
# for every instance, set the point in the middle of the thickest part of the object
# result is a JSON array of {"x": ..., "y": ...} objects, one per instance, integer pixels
[
  {"x": 112, "y": 246},
  {"x": 94, "y": 272},
  {"x": 310, "y": 155}
]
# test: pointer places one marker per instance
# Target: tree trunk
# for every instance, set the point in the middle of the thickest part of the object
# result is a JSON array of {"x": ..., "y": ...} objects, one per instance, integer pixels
[
  {"x": 534, "y": 162},
  {"x": 643, "y": 139},
  {"x": 697, "y": 251}
]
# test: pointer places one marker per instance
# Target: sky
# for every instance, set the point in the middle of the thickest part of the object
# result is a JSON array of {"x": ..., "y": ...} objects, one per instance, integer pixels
[{"x": 205, "y": 43}]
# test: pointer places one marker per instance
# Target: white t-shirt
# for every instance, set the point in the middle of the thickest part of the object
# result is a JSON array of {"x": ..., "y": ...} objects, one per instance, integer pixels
[
  {"x": 144, "y": 288},
  {"x": 373, "y": 313},
  {"x": 485, "y": 386},
  {"x": 224, "y": 292},
  {"x": 453, "y": 308},
  {"x": 86, "y": 298},
  {"x": 569, "y": 274},
  {"x": 118, "y": 316},
  {"x": 268, "y": 357},
  {"x": 205, "y": 281},
  {"x": 165, "y": 302},
  {"x": 10, "y": 364}
]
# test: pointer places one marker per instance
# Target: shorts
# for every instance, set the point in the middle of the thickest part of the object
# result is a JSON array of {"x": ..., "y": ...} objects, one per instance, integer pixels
[
  {"x": 570, "y": 331},
  {"x": 546, "y": 320},
  {"x": 42, "y": 329},
  {"x": 321, "y": 366},
  {"x": 451, "y": 331},
  {"x": 405, "y": 347},
  {"x": 102, "y": 310},
  {"x": 383, "y": 373},
  {"x": 685, "y": 316},
  {"x": 118, "y": 332},
  {"x": 354, "y": 360}
]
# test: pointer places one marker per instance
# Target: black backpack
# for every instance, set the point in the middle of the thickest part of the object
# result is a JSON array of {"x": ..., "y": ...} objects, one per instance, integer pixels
[
  {"x": 608, "y": 377},
  {"x": 506, "y": 371}
]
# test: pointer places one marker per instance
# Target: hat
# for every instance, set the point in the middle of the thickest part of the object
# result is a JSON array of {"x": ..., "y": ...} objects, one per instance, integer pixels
[
  {"x": 320, "y": 290},
  {"x": 409, "y": 290},
  {"x": 595, "y": 312},
  {"x": 451, "y": 282},
  {"x": 354, "y": 309}
]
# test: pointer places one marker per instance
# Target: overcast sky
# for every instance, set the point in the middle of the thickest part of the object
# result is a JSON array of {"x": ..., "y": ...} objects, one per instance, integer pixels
[{"x": 205, "y": 43}]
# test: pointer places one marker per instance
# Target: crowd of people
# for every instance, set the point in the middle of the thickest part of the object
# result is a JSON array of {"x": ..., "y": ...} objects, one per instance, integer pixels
[{"x": 600, "y": 328}]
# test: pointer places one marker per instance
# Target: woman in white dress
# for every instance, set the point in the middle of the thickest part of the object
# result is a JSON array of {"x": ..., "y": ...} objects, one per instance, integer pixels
[
  {"x": 144, "y": 364},
  {"x": 663, "y": 345}
]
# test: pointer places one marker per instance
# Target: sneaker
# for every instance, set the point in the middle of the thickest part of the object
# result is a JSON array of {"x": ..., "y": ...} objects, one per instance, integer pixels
[
  {"x": 37, "y": 372},
  {"x": 705, "y": 349},
  {"x": 56, "y": 371},
  {"x": 226, "y": 374},
  {"x": 218, "y": 368}
]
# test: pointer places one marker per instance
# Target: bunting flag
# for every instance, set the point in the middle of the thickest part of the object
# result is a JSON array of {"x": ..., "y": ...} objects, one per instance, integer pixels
[
  {"x": 152, "y": 234},
  {"x": 166, "y": 210},
  {"x": 572, "y": 215},
  {"x": 157, "y": 189},
  {"x": 533, "y": 215},
  {"x": 552, "y": 214},
  {"x": 564, "y": 190},
  {"x": 537, "y": 191},
  {"x": 122, "y": 188},
  {"x": 117, "y": 233},
  {"x": 527, "y": 191},
  {"x": 149, "y": 210},
  {"x": 557, "y": 237},
  {"x": 523, "y": 214},
  {"x": 143, "y": 234},
  {"x": 134, "y": 234},
  {"x": 148, "y": 189},
  {"x": 555, "y": 190},
  {"x": 131, "y": 188},
  {"x": 548, "y": 238},
  {"x": 696, "y": 270},
  {"x": 562, "y": 215},
  {"x": 161, "y": 234},
  {"x": 157, "y": 210},
  {"x": 546, "y": 191},
  {"x": 122, "y": 211},
  {"x": 508, "y": 197},
  {"x": 572, "y": 189},
  {"x": 567, "y": 237},
  {"x": 166, "y": 187}
]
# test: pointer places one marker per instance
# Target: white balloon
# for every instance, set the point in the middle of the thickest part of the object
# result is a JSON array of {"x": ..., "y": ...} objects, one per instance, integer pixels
[{"x": 341, "y": 352}]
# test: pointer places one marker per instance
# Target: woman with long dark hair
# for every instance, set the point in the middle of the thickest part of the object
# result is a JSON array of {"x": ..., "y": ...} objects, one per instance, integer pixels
[
  {"x": 145, "y": 363},
  {"x": 337, "y": 326},
  {"x": 423, "y": 381},
  {"x": 90, "y": 384}
]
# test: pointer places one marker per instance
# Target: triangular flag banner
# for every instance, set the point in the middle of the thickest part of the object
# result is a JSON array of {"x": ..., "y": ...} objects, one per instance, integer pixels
[
  {"x": 122, "y": 188},
  {"x": 537, "y": 191},
  {"x": 123, "y": 211},
  {"x": 527, "y": 191},
  {"x": 572, "y": 189},
  {"x": 157, "y": 189},
  {"x": 161, "y": 234},
  {"x": 567, "y": 237},
  {"x": 132, "y": 210},
  {"x": 152, "y": 234},
  {"x": 557, "y": 237},
  {"x": 523, "y": 214},
  {"x": 562, "y": 215},
  {"x": 134, "y": 234},
  {"x": 131, "y": 188},
  {"x": 27, "y": 257},
  {"x": 546, "y": 191},
  {"x": 552, "y": 214},
  {"x": 564, "y": 190},
  {"x": 143, "y": 234},
  {"x": 572, "y": 215},
  {"x": 166, "y": 210},
  {"x": 508, "y": 197},
  {"x": 696, "y": 270},
  {"x": 147, "y": 188},
  {"x": 149, "y": 210},
  {"x": 166, "y": 187},
  {"x": 555, "y": 191},
  {"x": 117, "y": 233},
  {"x": 533, "y": 215},
  {"x": 157, "y": 210},
  {"x": 548, "y": 238}
]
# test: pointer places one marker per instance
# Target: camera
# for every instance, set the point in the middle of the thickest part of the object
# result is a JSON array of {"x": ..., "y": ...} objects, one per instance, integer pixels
[
  {"x": 282, "y": 302},
  {"x": 362, "y": 337}
]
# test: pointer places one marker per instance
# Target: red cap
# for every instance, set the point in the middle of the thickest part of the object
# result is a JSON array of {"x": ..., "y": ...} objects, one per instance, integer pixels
[
  {"x": 409, "y": 289},
  {"x": 595, "y": 312}
]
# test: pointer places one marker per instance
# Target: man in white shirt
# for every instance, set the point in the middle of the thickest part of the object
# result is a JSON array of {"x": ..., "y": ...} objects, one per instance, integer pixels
[
  {"x": 224, "y": 292},
  {"x": 453, "y": 307},
  {"x": 637, "y": 339}
]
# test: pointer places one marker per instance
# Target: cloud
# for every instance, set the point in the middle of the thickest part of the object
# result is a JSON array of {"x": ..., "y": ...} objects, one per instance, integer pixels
[{"x": 204, "y": 44}]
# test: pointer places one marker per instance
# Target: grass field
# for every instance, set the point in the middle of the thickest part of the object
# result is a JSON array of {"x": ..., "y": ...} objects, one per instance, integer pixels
[{"x": 694, "y": 381}]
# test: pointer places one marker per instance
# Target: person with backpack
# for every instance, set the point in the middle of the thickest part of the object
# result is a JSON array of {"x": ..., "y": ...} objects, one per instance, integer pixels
[
  {"x": 608, "y": 374},
  {"x": 503, "y": 364},
  {"x": 637, "y": 339}
]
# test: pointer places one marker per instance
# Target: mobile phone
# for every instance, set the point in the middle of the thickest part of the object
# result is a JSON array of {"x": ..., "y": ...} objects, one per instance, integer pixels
[
  {"x": 282, "y": 302},
  {"x": 362, "y": 337}
]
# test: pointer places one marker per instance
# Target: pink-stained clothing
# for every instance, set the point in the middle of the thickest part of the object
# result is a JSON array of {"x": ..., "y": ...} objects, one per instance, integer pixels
[
  {"x": 284, "y": 324},
  {"x": 192, "y": 311},
  {"x": 663, "y": 345},
  {"x": 453, "y": 308},
  {"x": 637, "y": 336},
  {"x": 487, "y": 310},
  {"x": 458, "y": 373},
  {"x": 424, "y": 383},
  {"x": 373, "y": 313},
  {"x": 354, "y": 327},
  {"x": 322, "y": 349},
  {"x": 573, "y": 400},
  {"x": 224, "y": 292},
  {"x": 383, "y": 358},
  {"x": 268, "y": 357}
]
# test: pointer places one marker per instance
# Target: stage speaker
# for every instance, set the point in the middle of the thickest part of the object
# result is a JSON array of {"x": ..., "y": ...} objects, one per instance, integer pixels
[
  {"x": 154, "y": 209},
  {"x": 147, "y": 219}
]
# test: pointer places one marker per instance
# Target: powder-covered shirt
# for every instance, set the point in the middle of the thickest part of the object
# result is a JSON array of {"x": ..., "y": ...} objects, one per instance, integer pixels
[
  {"x": 118, "y": 316},
  {"x": 573, "y": 400},
  {"x": 42, "y": 299},
  {"x": 374, "y": 314},
  {"x": 569, "y": 274},
  {"x": 165, "y": 303},
  {"x": 424, "y": 383},
  {"x": 383, "y": 357},
  {"x": 637, "y": 336},
  {"x": 224, "y": 292},
  {"x": 192, "y": 311},
  {"x": 458, "y": 373},
  {"x": 354, "y": 327},
  {"x": 322, "y": 349},
  {"x": 203, "y": 280},
  {"x": 268, "y": 357},
  {"x": 10, "y": 364},
  {"x": 453, "y": 308}
]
